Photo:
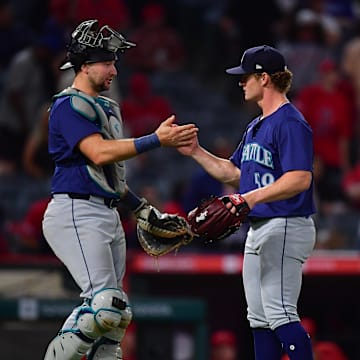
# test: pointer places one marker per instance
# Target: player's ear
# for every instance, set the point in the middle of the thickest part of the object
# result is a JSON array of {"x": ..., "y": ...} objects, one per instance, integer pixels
[{"x": 265, "y": 78}]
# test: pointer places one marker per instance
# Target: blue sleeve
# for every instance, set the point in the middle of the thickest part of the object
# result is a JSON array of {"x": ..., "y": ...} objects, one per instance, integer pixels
[
  {"x": 71, "y": 124},
  {"x": 295, "y": 145},
  {"x": 235, "y": 158}
]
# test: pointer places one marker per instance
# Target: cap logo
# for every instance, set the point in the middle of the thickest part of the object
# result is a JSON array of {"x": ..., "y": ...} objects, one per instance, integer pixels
[{"x": 258, "y": 67}]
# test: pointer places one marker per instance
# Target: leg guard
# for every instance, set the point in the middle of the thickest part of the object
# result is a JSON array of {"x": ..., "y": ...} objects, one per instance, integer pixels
[
  {"x": 67, "y": 346},
  {"x": 108, "y": 347},
  {"x": 105, "y": 349},
  {"x": 103, "y": 314}
]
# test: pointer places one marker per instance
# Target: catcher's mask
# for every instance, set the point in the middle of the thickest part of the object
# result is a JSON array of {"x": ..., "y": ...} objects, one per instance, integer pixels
[{"x": 89, "y": 44}]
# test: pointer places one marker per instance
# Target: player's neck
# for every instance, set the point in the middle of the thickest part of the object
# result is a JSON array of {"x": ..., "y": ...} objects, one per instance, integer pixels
[
  {"x": 83, "y": 86},
  {"x": 272, "y": 103}
]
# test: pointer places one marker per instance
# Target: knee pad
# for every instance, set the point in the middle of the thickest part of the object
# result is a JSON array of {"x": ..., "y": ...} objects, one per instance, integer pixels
[
  {"x": 104, "y": 313},
  {"x": 67, "y": 346},
  {"x": 108, "y": 346}
]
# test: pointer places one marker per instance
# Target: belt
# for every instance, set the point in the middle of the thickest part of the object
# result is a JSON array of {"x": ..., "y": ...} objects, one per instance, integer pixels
[
  {"x": 255, "y": 219},
  {"x": 109, "y": 202}
]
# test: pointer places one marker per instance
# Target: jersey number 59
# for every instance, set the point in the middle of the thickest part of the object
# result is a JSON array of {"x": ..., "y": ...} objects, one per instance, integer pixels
[{"x": 264, "y": 179}]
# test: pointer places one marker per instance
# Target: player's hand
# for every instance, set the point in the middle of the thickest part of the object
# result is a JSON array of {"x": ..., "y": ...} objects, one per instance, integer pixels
[
  {"x": 174, "y": 135},
  {"x": 190, "y": 148}
]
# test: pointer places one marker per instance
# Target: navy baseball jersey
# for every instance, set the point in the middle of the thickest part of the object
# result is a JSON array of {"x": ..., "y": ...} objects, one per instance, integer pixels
[
  {"x": 269, "y": 148},
  {"x": 66, "y": 128}
]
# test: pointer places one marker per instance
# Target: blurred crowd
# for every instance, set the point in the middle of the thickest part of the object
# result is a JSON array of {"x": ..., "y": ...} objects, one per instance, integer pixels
[{"x": 183, "y": 47}]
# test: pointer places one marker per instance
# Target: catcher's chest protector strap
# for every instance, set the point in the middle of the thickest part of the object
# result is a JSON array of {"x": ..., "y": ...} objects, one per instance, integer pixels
[{"x": 111, "y": 127}]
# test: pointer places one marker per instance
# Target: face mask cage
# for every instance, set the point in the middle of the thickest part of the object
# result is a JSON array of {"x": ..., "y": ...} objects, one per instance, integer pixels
[{"x": 88, "y": 35}]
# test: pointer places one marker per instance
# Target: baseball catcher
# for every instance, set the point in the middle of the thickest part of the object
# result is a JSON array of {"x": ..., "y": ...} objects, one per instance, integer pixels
[
  {"x": 218, "y": 217},
  {"x": 81, "y": 224}
]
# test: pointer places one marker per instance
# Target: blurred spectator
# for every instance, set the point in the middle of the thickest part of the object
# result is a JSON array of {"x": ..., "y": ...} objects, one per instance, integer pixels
[
  {"x": 158, "y": 45},
  {"x": 226, "y": 32},
  {"x": 351, "y": 186},
  {"x": 329, "y": 113},
  {"x": 142, "y": 110},
  {"x": 350, "y": 66},
  {"x": 174, "y": 204},
  {"x": 69, "y": 13},
  {"x": 304, "y": 47},
  {"x": 261, "y": 30},
  {"x": 31, "y": 81},
  {"x": 330, "y": 22},
  {"x": 30, "y": 13},
  {"x": 343, "y": 11},
  {"x": 323, "y": 350},
  {"x": 25, "y": 235},
  {"x": 152, "y": 194},
  {"x": 350, "y": 62},
  {"x": 13, "y": 37},
  {"x": 36, "y": 159},
  {"x": 201, "y": 32},
  {"x": 223, "y": 345}
]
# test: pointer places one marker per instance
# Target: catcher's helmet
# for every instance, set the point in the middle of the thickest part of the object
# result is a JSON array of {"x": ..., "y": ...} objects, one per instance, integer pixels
[{"x": 90, "y": 44}]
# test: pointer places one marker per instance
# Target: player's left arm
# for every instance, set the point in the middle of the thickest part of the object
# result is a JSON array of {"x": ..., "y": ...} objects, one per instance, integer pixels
[{"x": 287, "y": 186}]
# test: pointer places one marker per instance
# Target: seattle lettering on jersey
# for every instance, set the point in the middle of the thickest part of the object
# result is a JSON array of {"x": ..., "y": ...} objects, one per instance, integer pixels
[{"x": 257, "y": 153}]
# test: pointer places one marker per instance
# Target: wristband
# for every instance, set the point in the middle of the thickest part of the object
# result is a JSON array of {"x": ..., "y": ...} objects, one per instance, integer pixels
[
  {"x": 146, "y": 143},
  {"x": 132, "y": 201}
]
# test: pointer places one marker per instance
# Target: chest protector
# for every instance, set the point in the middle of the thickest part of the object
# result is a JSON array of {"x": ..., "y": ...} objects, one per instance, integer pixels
[{"x": 105, "y": 113}]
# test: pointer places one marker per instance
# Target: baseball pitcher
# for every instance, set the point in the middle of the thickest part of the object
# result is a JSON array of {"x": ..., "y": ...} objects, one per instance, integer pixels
[{"x": 272, "y": 172}]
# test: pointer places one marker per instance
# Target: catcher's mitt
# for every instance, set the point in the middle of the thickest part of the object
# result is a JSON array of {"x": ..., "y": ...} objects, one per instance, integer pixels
[
  {"x": 160, "y": 233},
  {"x": 212, "y": 220}
]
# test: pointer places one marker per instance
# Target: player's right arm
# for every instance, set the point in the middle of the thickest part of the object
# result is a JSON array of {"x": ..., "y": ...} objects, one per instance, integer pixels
[
  {"x": 103, "y": 151},
  {"x": 219, "y": 168}
]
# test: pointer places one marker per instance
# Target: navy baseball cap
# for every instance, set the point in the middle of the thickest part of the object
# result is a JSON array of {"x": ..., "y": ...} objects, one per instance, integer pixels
[{"x": 260, "y": 59}]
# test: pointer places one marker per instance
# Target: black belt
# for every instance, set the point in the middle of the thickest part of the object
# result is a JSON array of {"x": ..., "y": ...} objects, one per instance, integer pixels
[
  {"x": 109, "y": 202},
  {"x": 256, "y": 219}
]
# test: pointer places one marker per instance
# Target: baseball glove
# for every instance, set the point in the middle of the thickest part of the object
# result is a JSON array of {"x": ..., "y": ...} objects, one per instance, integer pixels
[
  {"x": 212, "y": 220},
  {"x": 160, "y": 233}
]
